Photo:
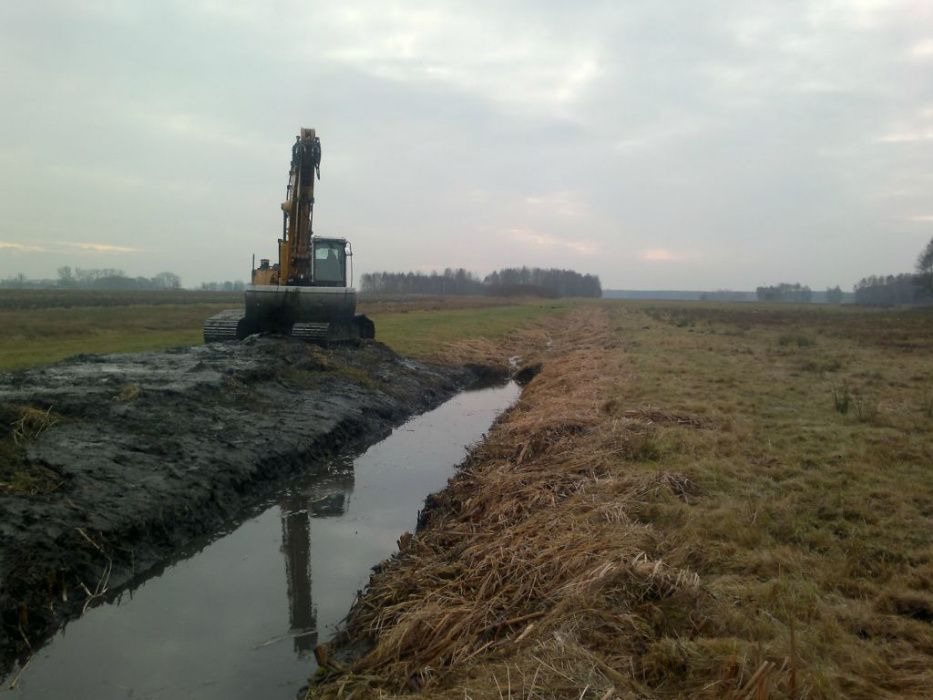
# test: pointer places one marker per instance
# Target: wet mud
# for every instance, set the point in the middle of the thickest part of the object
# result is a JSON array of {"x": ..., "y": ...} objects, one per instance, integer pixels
[{"x": 144, "y": 454}]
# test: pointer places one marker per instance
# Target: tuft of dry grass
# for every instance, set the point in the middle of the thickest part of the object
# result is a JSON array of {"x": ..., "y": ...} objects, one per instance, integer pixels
[
  {"x": 18, "y": 426},
  {"x": 129, "y": 392},
  {"x": 31, "y": 423}
]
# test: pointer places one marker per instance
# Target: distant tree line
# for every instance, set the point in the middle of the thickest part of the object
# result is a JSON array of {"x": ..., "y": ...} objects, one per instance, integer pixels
[
  {"x": 228, "y": 286},
  {"x": 785, "y": 292},
  {"x": 96, "y": 278},
  {"x": 725, "y": 295},
  {"x": 108, "y": 278},
  {"x": 905, "y": 288},
  {"x": 554, "y": 282},
  {"x": 506, "y": 282},
  {"x": 457, "y": 281}
]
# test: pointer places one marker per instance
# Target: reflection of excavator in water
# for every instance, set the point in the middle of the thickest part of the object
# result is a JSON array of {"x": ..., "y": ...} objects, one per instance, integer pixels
[
  {"x": 306, "y": 293},
  {"x": 320, "y": 497}
]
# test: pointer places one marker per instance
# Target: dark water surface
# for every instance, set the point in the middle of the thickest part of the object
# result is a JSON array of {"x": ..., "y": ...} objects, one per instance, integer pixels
[{"x": 240, "y": 618}]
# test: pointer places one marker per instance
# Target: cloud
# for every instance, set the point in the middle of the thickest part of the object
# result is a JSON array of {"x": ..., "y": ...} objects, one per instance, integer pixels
[
  {"x": 565, "y": 203},
  {"x": 907, "y": 137},
  {"x": 110, "y": 178},
  {"x": 917, "y": 127},
  {"x": 104, "y": 248},
  {"x": 922, "y": 50},
  {"x": 546, "y": 240},
  {"x": 527, "y": 62},
  {"x": 21, "y": 248},
  {"x": 63, "y": 246},
  {"x": 660, "y": 255},
  {"x": 199, "y": 129},
  {"x": 921, "y": 218}
]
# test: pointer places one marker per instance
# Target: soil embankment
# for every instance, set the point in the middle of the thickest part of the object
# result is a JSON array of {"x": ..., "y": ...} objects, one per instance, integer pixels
[{"x": 111, "y": 464}]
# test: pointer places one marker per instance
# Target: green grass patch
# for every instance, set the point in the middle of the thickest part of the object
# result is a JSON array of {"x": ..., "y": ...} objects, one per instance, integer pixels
[
  {"x": 421, "y": 333},
  {"x": 41, "y": 331},
  {"x": 42, "y": 336}
]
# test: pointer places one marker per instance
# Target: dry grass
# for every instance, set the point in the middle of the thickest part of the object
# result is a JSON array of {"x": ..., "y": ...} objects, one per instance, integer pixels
[
  {"x": 18, "y": 426},
  {"x": 533, "y": 549},
  {"x": 31, "y": 423},
  {"x": 674, "y": 508}
]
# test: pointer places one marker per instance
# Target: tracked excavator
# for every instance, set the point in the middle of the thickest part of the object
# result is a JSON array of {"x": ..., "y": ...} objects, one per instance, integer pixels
[{"x": 306, "y": 294}]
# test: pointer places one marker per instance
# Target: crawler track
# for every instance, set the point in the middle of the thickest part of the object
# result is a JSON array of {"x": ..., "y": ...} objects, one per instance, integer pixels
[{"x": 223, "y": 326}]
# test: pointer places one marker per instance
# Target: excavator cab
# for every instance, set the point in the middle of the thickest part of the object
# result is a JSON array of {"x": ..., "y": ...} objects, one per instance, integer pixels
[{"x": 330, "y": 262}]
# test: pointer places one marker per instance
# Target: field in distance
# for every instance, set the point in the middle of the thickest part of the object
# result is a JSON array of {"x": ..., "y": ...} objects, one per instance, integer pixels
[{"x": 46, "y": 325}]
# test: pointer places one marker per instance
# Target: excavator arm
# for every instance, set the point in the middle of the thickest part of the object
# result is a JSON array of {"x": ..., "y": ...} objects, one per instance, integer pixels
[{"x": 298, "y": 211}]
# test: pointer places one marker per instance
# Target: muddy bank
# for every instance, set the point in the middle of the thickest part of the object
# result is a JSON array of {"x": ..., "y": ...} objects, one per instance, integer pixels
[{"x": 142, "y": 454}]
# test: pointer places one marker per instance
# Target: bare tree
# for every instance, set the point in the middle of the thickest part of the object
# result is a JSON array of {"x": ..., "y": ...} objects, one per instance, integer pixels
[
  {"x": 166, "y": 280},
  {"x": 65, "y": 277},
  {"x": 925, "y": 264}
]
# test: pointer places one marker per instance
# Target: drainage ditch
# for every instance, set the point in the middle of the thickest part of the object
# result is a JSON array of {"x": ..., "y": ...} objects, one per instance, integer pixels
[{"x": 240, "y": 617}]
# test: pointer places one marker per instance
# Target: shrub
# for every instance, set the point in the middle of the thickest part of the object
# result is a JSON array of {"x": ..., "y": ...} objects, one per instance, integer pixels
[
  {"x": 801, "y": 341},
  {"x": 842, "y": 398}
]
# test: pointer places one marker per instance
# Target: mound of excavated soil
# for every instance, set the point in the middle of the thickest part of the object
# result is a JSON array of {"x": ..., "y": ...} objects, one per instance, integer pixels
[{"x": 145, "y": 453}]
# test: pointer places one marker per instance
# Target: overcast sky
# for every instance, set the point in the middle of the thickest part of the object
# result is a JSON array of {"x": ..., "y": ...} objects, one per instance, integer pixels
[{"x": 660, "y": 145}]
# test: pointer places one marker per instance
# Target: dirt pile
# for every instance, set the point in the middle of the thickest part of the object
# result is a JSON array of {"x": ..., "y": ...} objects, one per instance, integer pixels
[{"x": 110, "y": 464}]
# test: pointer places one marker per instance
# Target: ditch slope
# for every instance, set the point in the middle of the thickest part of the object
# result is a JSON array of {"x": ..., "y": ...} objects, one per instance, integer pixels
[{"x": 111, "y": 464}]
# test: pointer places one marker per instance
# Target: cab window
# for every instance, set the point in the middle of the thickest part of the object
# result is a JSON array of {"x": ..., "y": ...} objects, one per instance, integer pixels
[{"x": 329, "y": 259}]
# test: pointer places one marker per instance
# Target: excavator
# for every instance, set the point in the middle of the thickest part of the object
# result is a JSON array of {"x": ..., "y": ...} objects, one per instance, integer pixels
[{"x": 306, "y": 294}]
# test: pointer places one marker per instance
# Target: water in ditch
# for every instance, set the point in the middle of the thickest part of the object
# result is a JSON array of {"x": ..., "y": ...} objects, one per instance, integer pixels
[{"x": 240, "y": 618}]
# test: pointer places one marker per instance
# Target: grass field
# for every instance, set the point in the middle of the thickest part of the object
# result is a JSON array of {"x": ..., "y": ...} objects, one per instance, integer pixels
[
  {"x": 44, "y": 326},
  {"x": 690, "y": 500},
  {"x": 19, "y": 299},
  {"x": 812, "y": 463},
  {"x": 40, "y": 336}
]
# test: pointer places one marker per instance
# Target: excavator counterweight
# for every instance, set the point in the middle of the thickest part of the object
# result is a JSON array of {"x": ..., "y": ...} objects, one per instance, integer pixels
[{"x": 307, "y": 293}]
